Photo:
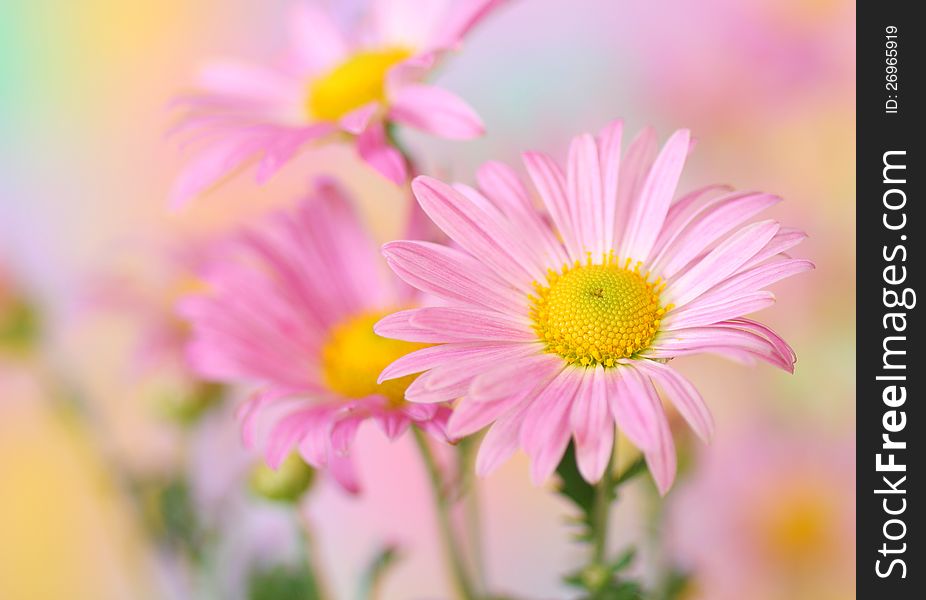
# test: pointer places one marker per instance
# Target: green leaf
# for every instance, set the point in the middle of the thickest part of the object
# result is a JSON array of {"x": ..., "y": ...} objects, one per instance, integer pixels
[
  {"x": 576, "y": 489},
  {"x": 282, "y": 582}
]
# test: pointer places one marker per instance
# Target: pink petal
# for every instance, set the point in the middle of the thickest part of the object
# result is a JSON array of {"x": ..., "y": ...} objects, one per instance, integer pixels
[
  {"x": 609, "y": 153},
  {"x": 474, "y": 324},
  {"x": 315, "y": 38},
  {"x": 698, "y": 314},
  {"x": 545, "y": 431},
  {"x": 359, "y": 119},
  {"x": 501, "y": 184},
  {"x": 583, "y": 181},
  {"x": 436, "y": 356},
  {"x": 462, "y": 18},
  {"x": 448, "y": 273},
  {"x": 550, "y": 182},
  {"x": 631, "y": 397},
  {"x": 648, "y": 211},
  {"x": 634, "y": 168},
  {"x": 754, "y": 279},
  {"x": 515, "y": 377},
  {"x": 661, "y": 460},
  {"x": 215, "y": 163},
  {"x": 715, "y": 221},
  {"x": 343, "y": 472},
  {"x": 683, "y": 395},
  {"x": 785, "y": 239},
  {"x": 244, "y": 82},
  {"x": 592, "y": 425},
  {"x": 721, "y": 262},
  {"x": 489, "y": 241},
  {"x": 374, "y": 148},
  {"x": 451, "y": 381},
  {"x": 681, "y": 214},
  {"x": 501, "y": 441},
  {"x": 436, "y": 111},
  {"x": 285, "y": 147}
]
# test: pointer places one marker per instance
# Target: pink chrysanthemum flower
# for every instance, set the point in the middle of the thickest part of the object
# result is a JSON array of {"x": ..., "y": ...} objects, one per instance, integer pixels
[
  {"x": 291, "y": 307},
  {"x": 562, "y": 327},
  {"x": 331, "y": 82}
]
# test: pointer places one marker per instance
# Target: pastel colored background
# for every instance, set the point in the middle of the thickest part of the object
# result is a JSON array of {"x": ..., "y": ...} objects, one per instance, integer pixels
[{"x": 767, "y": 88}]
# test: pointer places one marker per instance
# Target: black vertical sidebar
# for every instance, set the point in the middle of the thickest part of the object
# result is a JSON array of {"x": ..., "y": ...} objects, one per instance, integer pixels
[{"x": 891, "y": 436}]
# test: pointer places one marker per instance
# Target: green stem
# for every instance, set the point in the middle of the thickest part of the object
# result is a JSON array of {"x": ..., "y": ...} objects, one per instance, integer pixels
[
  {"x": 464, "y": 586},
  {"x": 308, "y": 554},
  {"x": 466, "y": 471},
  {"x": 604, "y": 496}
]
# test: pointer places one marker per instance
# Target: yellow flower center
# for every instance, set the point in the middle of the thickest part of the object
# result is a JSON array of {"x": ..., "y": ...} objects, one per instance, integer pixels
[
  {"x": 797, "y": 527},
  {"x": 357, "y": 81},
  {"x": 354, "y": 356},
  {"x": 594, "y": 314}
]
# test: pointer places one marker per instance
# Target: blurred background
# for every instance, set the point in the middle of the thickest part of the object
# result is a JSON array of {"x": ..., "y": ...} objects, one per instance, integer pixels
[{"x": 766, "y": 512}]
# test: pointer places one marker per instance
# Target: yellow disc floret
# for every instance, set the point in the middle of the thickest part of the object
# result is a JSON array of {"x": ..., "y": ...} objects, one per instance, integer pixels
[
  {"x": 594, "y": 314},
  {"x": 359, "y": 80},
  {"x": 354, "y": 356}
]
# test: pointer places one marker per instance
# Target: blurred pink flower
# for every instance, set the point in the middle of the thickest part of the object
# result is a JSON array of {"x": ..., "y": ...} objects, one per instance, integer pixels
[
  {"x": 767, "y": 516},
  {"x": 720, "y": 59},
  {"x": 332, "y": 81},
  {"x": 562, "y": 327},
  {"x": 291, "y": 307}
]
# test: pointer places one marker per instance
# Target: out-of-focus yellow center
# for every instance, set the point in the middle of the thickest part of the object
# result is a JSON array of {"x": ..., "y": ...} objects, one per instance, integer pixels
[
  {"x": 797, "y": 527},
  {"x": 354, "y": 356},
  {"x": 359, "y": 80},
  {"x": 594, "y": 314}
]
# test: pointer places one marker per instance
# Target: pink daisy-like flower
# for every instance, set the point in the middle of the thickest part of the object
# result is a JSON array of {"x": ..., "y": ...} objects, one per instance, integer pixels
[
  {"x": 291, "y": 307},
  {"x": 331, "y": 82},
  {"x": 565, "y": 326}
]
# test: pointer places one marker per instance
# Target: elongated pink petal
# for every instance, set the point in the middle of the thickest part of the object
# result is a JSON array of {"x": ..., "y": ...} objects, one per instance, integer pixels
[
  {"x": 285, "y": 148},
  {"x": 488, "y": 240},
  {"x": 648, "y": 212},
  {"x": 343, "y": 471},
  {"x": 502, "y": 440},
  {"x": 243, "y": 82},
  {"x": 630, "y": 399},
  {"x": 592, "y": 425},
  {"x": 399, "y": 326},
  {"x": 661, "y": 460},
  {"x": 474, "y": 324},
  {"x": 468, "y": 416},
  {"x": 681, "y": 214},
  {"x": 501, "y": 184},
  {"x": 721, "y": 262},
  {"x": 357, "y": 120},
  {"x": 609, "y": 153},
  {"x": 436, "y": 111},
  {"x": 754, "y": 279},
  {"x": 633, "y": 171},
  {"x": 215, "y": 163},
  {"x": 452, "y": 381},
  {"x": 436, "y": 356},
  {"x": 515, "y": 376},
  {"x": 683, "y": 395},
  {"x": 583, "y": 181},
  {"x": 785, "y": 239},
  {"x": 462, "y": 18},
  {"x": 374, "y": 148},
  {"x": 709, "y": 225},
  {"x": 550, "y": 182},
  {"x": 545, "y": 431},
  {"x": 451, "y": 274},
  {"x": 697, "y": 314},
  {"x": 315, "y": 38}
]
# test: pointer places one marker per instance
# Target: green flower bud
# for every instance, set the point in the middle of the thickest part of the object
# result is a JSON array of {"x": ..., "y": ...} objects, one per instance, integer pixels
[{"x": 286, "y": 484}]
